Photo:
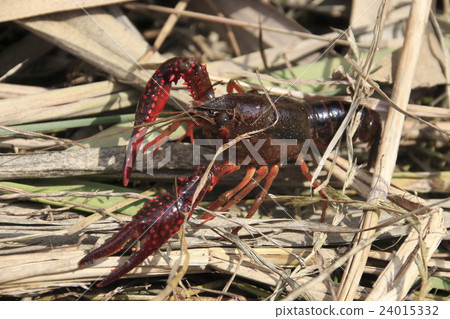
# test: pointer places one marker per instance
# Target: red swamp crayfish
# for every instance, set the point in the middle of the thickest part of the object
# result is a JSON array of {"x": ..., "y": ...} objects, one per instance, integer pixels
[{"x": 226, "y": 118}]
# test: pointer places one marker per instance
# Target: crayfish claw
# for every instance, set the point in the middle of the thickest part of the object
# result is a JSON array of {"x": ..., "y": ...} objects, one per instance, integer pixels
[
  {"x": 135, "y": 259},
  {"x": 153, "y": 225},
  {"x": 154, "y": 98},
  {"x": 156, "y": 222},
  {"x": 113, "y": 245}
]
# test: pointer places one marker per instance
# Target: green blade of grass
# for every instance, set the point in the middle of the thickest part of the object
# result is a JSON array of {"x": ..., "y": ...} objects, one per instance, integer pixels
[
  {"x": 56, "y": 185},
  {"x": 66, "y": 124}
]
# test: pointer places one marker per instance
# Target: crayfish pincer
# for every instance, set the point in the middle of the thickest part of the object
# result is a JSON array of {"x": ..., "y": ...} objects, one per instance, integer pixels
[
  {"x": 154, "y": 98},
  {"x": 155, "y": 223},
  {"x": 277, "y": 125}
]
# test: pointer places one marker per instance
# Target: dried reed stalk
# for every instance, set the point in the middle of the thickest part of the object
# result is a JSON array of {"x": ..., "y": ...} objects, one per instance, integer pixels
[
  {"x": 165, "y": 31},
  {"x": 388, "y": 150},
  {"x": 398, "y": 277},
  {"x": 59, "y": 267},
  {"x": 82, "y": 100},
  {"x": 233, "y": 22},
  {"x": 19, "y": 9}
]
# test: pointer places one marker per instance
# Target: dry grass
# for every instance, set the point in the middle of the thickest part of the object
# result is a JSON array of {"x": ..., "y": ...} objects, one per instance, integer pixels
[{"x": 69, "y": 83}]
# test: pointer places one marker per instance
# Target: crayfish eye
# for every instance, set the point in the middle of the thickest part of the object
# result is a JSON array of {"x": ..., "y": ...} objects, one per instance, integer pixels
[
  {"x": 222, "y": 119},
  {"x": 209, "y": 95}
]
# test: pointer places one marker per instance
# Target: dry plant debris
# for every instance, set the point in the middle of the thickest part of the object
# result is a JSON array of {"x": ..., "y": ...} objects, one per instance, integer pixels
[{"x": 70, "y": 77}]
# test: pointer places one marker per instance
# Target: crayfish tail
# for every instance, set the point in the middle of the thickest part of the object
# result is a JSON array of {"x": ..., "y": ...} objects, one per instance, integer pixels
[{"x": 369, "y": 131}]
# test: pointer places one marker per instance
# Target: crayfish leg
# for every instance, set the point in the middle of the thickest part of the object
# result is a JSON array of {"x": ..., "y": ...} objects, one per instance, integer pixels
[
  {"x": 235, "y": 195},
  {"x": 261, "y": 173},
  {"x": 273, "y": 173},
  {"x": 131, "y": 153},
  {"x": 226, "y": 196},
  {"x": 163, "y": 137},
  {"x": 262, "y": 194},
  {"x": 189, "y": 133},
  {"x": 234, "y": 85},
  {"x": 305, "y": 171}
]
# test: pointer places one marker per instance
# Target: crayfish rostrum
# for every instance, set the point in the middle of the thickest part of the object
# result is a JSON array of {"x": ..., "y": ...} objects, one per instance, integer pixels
[{"x": 227, "y": 117}]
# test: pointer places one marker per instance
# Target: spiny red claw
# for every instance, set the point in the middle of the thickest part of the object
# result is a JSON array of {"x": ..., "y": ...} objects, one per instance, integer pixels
[
  {"x": 154, "y": 224},
  {"x": 154, "y": 98}
]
